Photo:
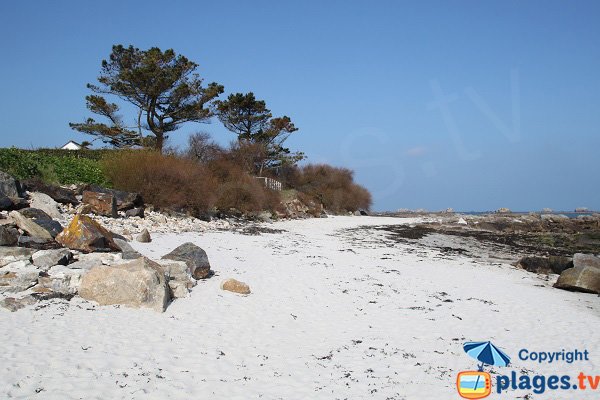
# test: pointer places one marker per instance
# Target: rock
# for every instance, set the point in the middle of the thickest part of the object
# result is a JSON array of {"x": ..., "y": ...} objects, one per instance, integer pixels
[
  {"x": 135, "y": 212},
  {"x": 18, "y": 276},
  {"x": 503, "y": 210},
  {"x": 195, "y": 258},
  {"x": 104, "y": 204},
  {"x": 5, "y": 203},
  {"x": 45, "y": 203},
  {"x": 582, "y": 209},
  {"x": 144, "y": 237},
  {"x": 34, "y": 228},
  {"x": 547, "y": 210},
  {"x": 264, "y": 216},
  {"x": 86, "y": 235},
  {"x": 128, "y": 253},
  {"x": 581, "y": 279},
  {"x": 363, "y": 212},
  {"x": 9, "y": 187},
  {"x": 461, "y": 221},
  {"x": 13, "y": 304},
  {"x": 138, "y": 283},
  {"x": 61, "y": 280},
  {"x": 543, "y": 265},
  {"x": 8, "y": 236},
  {"x": 57, "y": 193},
  {"x": 235, "y": 286},
  {"x": 125, "y": 200},
  {"x": 37, "y": 243},
  {"x": 45, "y": 259},
  {"x": 11, "y": 254},
  {"x": 586, "y": 260},
  {"x": 178, "y": 276}
]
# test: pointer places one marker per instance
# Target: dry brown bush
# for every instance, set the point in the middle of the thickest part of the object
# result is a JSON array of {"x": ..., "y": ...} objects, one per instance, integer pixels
[
  {"x": 164, "y": 181},
  {"x": 333, "y": 187}
]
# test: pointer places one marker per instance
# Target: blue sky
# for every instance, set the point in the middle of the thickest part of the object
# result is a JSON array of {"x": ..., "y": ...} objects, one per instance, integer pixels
[{"x": 473, "y": 105}]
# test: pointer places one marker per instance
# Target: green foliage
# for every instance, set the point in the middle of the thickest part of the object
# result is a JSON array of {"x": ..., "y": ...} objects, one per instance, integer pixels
[
  {"x": 163, "y": 86},
  {"x": 54, "y": 166}
]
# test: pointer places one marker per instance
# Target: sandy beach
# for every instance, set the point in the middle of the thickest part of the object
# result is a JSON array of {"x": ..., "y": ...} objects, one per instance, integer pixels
[{"x": 335, "y": 312}]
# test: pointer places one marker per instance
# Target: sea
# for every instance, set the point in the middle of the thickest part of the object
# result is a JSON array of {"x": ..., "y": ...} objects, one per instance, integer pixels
[{"x": 569, "y": 214}]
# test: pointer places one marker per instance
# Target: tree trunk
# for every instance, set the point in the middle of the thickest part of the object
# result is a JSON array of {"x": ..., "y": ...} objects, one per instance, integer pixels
[{"x": 160, "y": 141}]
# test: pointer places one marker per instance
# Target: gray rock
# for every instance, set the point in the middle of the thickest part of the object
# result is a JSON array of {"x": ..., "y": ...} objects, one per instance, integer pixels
[
  {"x": 586, "y": 260},
  {"x": 57, "y": 193},
  {"x": 178, "y": 276},
  {"x": 138, "y": 283},
  {"x": 5, "y": 203},
  {"x": 45, "y": 259},
  {"x": 135, "y": 212},
  {"x": 91, "y": 260},
  {"x": 41, "y": 227},
  {"x": 9, "y": 187},
  {"x": 144, "y": 237},
  {"x": 18, "y": 276},
  {"x": 61, "y": 280},
  {"x": 195, "y": 258},
  {"x": 8, "y": 236},
  {"x": 37, "y": 243},
  {"x": 42, "y": 201},
  {"x": 581, "y": 279},
  {"x": 13, "y": 304},
  {"x": 545, "y": 265},
  {"x": 128, "y": 253},
  {"x": 11, "y": 254}
]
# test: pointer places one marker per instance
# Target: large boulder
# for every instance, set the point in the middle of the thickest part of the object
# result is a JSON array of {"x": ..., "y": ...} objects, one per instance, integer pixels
[
  {"x": 57, "y": 193},
  {"x": 581, "y": 279},
  {"x": 42, "y": 201},
  {"x": 545, "y": 265},
  {"x": 86, "y": 235},
  {"x": 9, "y": 187},
  {"x": 235, "y": 286},
  {"x": 45, "y": 259},
  {"x": 104, "y": 204},
  {"x": 18, "y": 276},
  {"x": 586, "y": 260},
  {"x": 195, "y": 258},
  {"x": 139, "y": 284},
  {"x": 36, "y": 223},
  {"x": 5, "y": 203},
  {"x": 8, "y": 236},
  {"x": 125, "y": 200}
]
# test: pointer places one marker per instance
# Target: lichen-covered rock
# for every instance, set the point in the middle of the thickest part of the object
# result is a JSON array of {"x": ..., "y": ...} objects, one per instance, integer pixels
[
  {"x": 86, "y": 235},
  {"x": 139, "y": 284},
  {"x": 235, "y": 286},
  {"x": 581, "y": 279},
  {"x": 195, "y": 258},
  {"x": 100, "y": 203}
]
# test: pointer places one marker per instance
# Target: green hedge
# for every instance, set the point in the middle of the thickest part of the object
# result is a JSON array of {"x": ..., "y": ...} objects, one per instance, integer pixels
[{"x": 54, "y": 166}]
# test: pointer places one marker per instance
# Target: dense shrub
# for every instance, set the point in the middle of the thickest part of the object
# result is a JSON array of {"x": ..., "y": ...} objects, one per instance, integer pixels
[
  {"x": 239, "y": 190},
  {"x": 333, "y": 187},
  {"x": 54, "y": 166},
  {"x": 163, "y": 180}
]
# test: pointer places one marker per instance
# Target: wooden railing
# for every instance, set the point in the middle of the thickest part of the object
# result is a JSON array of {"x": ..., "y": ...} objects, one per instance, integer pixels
[{"x": 270, "y": 183}]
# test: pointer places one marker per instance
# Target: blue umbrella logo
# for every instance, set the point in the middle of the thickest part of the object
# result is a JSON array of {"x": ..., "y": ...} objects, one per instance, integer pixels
[{"x": 486, "y": 353}]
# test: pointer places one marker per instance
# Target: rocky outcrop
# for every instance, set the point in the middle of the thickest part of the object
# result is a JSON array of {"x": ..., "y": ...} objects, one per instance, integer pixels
[
  {"x": 235, "y": 286},
  {"x": 100, "y": 203},
  {"x": 139, "y": 284},
  {"x": 86, "y": 235},
  {"x": 195, "y": 258},
  {"x": 42, "y": 201}
]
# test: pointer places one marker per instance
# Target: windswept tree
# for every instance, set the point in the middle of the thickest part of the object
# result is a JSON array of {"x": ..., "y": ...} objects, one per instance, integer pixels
[
  {"x": 162, "y": 86},
  {"x": 253, "y": 123}
]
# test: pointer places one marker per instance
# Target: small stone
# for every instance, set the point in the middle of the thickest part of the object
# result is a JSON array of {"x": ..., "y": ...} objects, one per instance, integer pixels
[
  {"x": 144, "y": 237},
  {"x": 235, "y": 286}
]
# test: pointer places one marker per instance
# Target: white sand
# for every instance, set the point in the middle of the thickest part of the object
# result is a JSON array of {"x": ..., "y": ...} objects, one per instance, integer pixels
[{"x": 333, "y": 315}]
